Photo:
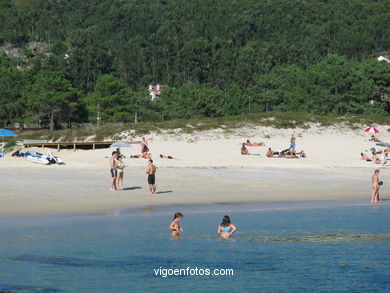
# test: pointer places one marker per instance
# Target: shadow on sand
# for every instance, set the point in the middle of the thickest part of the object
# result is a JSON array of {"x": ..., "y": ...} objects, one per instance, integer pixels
[
  {"x": 165, "y": 191},
  {"x": 132, "y": 188}
]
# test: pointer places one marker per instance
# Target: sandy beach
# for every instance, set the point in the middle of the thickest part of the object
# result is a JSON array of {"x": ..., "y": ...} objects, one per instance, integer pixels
[{"x": 209, "y": 171}]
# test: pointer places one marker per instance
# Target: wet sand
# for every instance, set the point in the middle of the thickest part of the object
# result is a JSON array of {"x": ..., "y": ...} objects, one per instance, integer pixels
[{"x": 54, "y": 190}]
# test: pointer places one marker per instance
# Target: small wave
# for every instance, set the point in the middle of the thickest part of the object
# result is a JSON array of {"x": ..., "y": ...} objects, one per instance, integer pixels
[
  {"x": 37, "y": 289},
  {"x": 334, "y": 237},
  {"x": 81, "y": 262}
]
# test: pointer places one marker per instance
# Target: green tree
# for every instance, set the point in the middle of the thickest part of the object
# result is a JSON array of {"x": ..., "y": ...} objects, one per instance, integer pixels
[{"x": 50, "y": 98}]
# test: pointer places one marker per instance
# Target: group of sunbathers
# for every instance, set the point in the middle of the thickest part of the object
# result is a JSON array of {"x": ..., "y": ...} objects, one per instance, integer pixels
[
  {"x": 377, "y": 157},
  {"x": 145, "y": 154},
  {"x": 289, "y": 153}
]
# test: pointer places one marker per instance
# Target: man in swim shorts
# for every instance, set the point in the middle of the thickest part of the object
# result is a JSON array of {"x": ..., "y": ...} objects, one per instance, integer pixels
[
  {"x": 151, "y": 171},
  {"x": 113, "y": 171},
  {"x": 292, "y": 142},
  {"x": 375, "y": 187}
]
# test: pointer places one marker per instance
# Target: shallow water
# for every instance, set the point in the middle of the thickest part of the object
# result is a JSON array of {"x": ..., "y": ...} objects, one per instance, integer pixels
[{"x": 278, "y": 249}]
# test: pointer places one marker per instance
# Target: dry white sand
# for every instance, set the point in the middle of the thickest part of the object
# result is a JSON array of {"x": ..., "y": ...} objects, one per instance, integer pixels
[{"x": 211, "y": 170}]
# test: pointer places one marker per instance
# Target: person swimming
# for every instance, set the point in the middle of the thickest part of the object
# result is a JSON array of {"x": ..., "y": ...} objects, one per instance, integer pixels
[
  {"x": 175, "y": 227},
  {"x": 226, "y": 229}
]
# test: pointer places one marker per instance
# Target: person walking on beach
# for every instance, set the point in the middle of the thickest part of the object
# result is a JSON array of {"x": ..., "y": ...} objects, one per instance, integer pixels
[
  {"x": 120, "y": 167},
  {"x": 151, "y": 171},
  {"x": 375, "y": 187},
  {"x": 226, "y": 229},
  {"x": 175, "y": 227},
  {"x": 113, "y": 171}
]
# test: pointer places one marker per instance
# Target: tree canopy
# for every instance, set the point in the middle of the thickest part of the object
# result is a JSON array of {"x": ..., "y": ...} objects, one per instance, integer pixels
[{"x": 86, "y": 60}]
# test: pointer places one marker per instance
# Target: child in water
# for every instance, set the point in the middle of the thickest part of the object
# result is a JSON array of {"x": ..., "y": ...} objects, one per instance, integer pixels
[
  {"x": 175, "y": 227},
  {"x": 226, "y": 229}
]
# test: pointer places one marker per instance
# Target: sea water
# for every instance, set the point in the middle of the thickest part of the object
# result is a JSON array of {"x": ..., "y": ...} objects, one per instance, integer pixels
[{"x": 278, "y": 249}]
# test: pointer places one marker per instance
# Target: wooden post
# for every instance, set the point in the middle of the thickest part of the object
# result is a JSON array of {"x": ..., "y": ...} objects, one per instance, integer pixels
[
  {"x": 93, "y": 146},
  {"x": 74, "y": 146},
  {"x": 58, "y": 147}
]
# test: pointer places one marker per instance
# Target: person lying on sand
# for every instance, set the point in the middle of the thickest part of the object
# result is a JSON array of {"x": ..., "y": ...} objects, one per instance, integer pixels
[
  {"x": 244, "y": 150},
  {"x": 253, "y": 144},
  {"x": 143, "y": 156},
  {"x": 374, "y": 139},
  {"x": 291, "y": 154},
  {"x": 191, "y": 141},
  {"x": 302, "y": 154},
  {"x": 168, "y": 157},
  {"x": 365, "y": 157},
  {"x": 269, "y": 153}
]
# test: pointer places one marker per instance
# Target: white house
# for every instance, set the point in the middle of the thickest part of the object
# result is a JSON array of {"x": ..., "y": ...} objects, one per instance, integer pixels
[
  {"x": 383, "y": 58},
  {"x": 155, "y": 91}
]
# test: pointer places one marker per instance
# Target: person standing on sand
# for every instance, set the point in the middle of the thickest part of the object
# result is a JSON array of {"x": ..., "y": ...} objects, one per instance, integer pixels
[
  {"x": 144, "y": 146},
  {"x": 292, "y": 142},
  {"x": 151, "y": 171},
  {"x": 113, "y": 171},
  {"x": 375, "y": 187},
  {"x": 120, "y": 168}
]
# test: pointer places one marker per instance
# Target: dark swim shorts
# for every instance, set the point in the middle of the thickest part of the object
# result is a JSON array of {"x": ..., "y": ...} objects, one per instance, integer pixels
[
  {"x": 151, "y": 178},
  {"x": 113, "y": 172},
  {"x": 169, "y": 157}
]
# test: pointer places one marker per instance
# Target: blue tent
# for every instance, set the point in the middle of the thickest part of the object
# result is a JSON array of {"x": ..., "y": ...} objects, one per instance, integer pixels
[
  {"x": 3, "y": 133},
  {"x": 120, "y": 144}
]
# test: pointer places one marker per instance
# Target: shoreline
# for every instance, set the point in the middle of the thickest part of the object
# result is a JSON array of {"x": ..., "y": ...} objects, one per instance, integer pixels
[{"x": 207, "y": 208}]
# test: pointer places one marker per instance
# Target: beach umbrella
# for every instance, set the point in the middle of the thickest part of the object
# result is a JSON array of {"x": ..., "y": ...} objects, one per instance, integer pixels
[
  {"x": 4, "y": 133},
  {"x": 120, "y": 144},
  {"x": 372, "y": 130}
]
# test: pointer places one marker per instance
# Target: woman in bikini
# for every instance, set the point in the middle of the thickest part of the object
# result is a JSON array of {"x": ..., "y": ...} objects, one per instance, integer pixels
[
  {"x": 226, "y": 229},
  {"x": 244, "y": 150},
  {"x": 120, "y": 166},
  {"x": 253, "y": 144},
  {"x": 175, "y": 227}
]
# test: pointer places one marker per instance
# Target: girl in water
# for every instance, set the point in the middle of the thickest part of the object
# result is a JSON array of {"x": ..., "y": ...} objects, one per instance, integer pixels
[
  {"x": 226, "y": 229},
  {"x": 175, "y": 227},
  {"x": 120, "y": 169}
]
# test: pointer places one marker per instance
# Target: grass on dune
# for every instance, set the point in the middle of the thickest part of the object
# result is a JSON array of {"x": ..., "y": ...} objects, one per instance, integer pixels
[{"x": 280, "y": 120}]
